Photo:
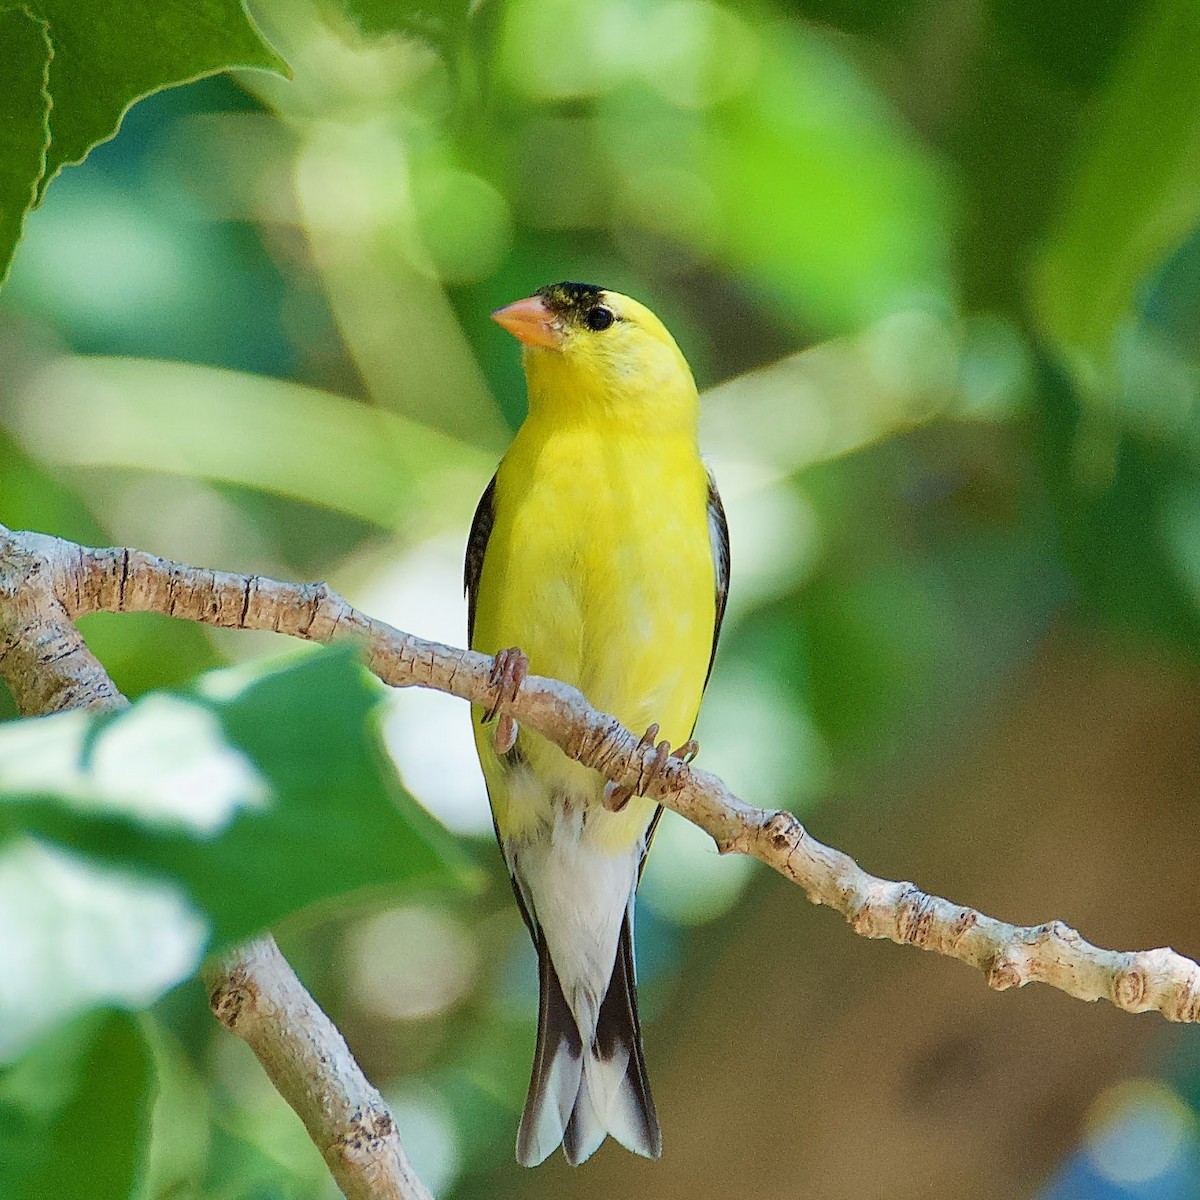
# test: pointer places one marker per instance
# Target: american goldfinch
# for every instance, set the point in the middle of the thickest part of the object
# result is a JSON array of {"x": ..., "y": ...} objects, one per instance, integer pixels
[{"x": 600, "y": 549}]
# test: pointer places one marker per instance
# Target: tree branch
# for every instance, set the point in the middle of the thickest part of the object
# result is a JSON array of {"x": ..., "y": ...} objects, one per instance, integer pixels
[
  {"x": 256, "y": 994},
  {"x": 253, "y": 991},
  {"x": 116, "y": 580}
]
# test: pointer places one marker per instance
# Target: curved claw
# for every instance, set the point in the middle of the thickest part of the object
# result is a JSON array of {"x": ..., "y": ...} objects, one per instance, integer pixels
[
  {"x": 615, "y": 796},
  {"x": 505, "y": 737},
  {"x": 687, "y": 752},
  {"x": 509, "y": 670}
]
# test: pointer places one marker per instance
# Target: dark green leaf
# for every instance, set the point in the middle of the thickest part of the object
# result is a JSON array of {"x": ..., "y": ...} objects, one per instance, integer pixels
[
  {"x": 1135, "y": 194},
  {"x": 179, "y": 1140},
  {"x": 69, "y": 72},
  {"x": 24, "y": 121},
  {"x": 32, "y": 498},
  {"x": 145, "y": 651},
  {"x": 1121, "y": 498},
  {"x": 1067, "y": 42},
  {"x": 75, "y": 1113},
  {"x": 110, "y": 53}
]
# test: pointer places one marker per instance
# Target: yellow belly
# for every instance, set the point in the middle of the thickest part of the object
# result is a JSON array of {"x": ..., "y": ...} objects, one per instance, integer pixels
[{"x": 599, "y": 568}]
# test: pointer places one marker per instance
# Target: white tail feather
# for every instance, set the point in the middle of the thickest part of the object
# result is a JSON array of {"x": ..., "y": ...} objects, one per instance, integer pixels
[
  {"x": 543, "y": 1125},
  {"x": 582, "y": 1099}
]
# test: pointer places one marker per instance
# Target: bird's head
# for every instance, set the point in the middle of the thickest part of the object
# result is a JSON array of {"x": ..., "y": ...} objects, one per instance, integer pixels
[{"x": 597, "y": 351}]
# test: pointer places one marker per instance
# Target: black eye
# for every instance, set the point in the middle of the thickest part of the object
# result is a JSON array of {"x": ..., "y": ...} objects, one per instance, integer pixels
[{"x": 599, "y": 318}]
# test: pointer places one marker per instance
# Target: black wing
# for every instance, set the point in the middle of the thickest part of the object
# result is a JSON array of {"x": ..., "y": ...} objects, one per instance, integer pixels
[
  {"x": 477, "y": 540},
  {"x": 718, "y": 534}
]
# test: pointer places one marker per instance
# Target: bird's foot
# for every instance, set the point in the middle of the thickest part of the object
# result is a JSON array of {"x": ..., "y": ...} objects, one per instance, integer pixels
[
  {"x": 615, "y": 797},
  {"x": 509, "y": 670},
  {"x": 687, "y": 752}
]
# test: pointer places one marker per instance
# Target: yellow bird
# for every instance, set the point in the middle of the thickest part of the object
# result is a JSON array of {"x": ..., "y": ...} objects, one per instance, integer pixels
[{"x": 600, "y": 549}]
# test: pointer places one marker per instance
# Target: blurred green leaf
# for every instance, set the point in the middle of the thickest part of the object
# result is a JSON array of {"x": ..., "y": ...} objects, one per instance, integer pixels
[
  {"x": 382, "y": 288},
  {"x": 243, "y": 1168},
  {"x": 748, "y": 142},
  {"x": 847, "y": 393},
  {"x": 31, "y": 498},
  {"x": 1135, "y": 193},
  {"x": 863, "y": 18},
  {"x": 24, "y": 123},
  {"x": 1068, "y": 42},
  {"x": 283, "y": 786},
  {"x": 927, "y": 539},
  {"x": 272, "y": 799},
  {"x": 140, "y": 650},
  {"x": 827, "y": 201},
  {"x": 75, "y": 1113},
  {"x": 180, "y": 1122},
  {"x": 436, "y": 19},
  {"x": 149, "y": 651},
  {"x": 78, "y": 935},
  {"x": 1120, "y": 496},
  {"x": 216, "y": 424}
]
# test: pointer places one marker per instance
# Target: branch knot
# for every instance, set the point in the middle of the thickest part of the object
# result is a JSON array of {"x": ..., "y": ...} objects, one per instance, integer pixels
[
  {"x": 234, "y": 996},
  {"x": 914, "y": 916},
  {"x": 1129, "y": 987},
  {"x": 783, "y": 831},
  {"x": 366, "y": 1129},
  {"x": 1005, "y": 971}
]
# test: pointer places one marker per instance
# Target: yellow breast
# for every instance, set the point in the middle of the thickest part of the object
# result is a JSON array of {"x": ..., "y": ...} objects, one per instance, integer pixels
[{"x": 599, "y": 568}]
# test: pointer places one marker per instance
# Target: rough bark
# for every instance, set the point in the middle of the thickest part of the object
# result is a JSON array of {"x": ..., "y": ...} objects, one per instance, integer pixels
[{"x": 256, "y": 994}]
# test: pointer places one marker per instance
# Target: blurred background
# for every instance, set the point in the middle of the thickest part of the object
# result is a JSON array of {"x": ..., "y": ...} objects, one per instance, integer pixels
[{"x": 936, "y": 264}]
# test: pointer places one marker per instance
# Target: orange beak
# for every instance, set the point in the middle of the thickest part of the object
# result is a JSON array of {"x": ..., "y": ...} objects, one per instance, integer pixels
[{"x": 530, "y": 321}]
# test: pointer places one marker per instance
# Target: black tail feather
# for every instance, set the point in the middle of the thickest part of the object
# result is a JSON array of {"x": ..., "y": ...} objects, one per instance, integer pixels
[
  {"x": 618, "y": 1026},
  {"x": 556, "y": 1032}
]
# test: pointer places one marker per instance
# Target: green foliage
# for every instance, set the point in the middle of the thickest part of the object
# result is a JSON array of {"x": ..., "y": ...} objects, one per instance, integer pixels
[
  {"x": 329, "y": 451},
  {"x": 994, "y": 209},
  {"x": 438, "y": 19},
  {"x": 876, "y": 219},
  {"x": 1134, "y": 195},
  {"x": 76, "y": 1108},
  {"x": 30, "y": 494},
  {"x": 1121, "y": 533},
  {"x": 25, "y": 131},
  {"x": 72, "y": 71},
  {"x": 201, "y": 818},
  {"x": 116, "y": 52}
]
